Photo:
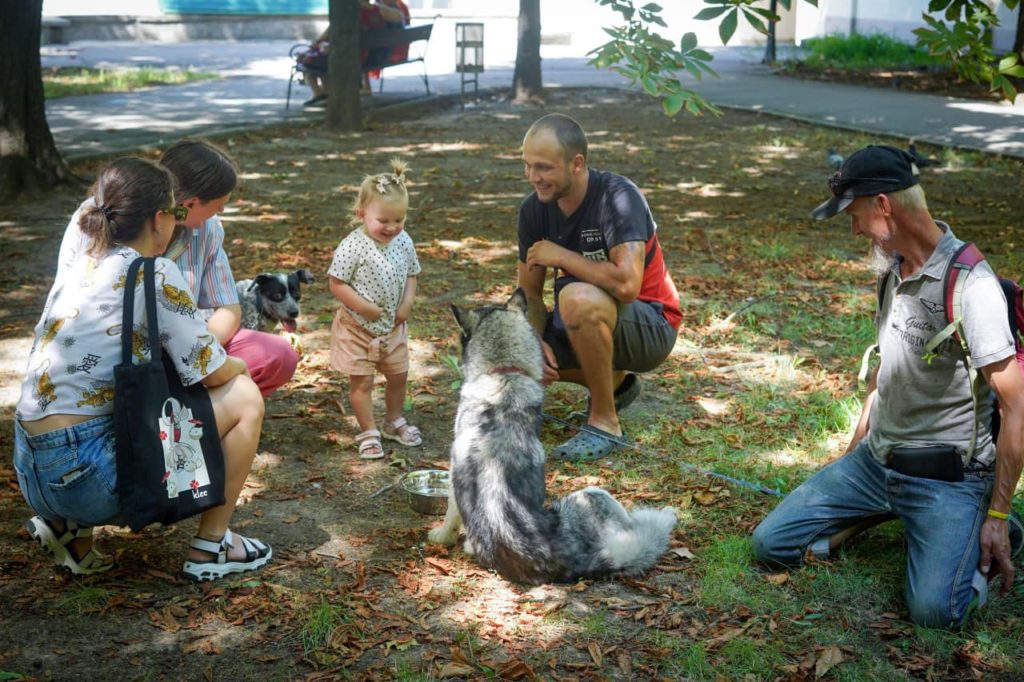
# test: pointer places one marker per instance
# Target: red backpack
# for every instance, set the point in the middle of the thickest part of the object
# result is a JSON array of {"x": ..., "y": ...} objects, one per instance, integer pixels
[{"x": 965, "y": 258}]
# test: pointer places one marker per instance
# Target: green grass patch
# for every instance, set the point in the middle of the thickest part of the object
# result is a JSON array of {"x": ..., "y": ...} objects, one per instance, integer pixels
[
  {"x": 84, "y": 599},
  {"x": 320, "y": 624},
  {"x": 859, "y": 51},
  {"x": 729, "y": 579},
  {"x": 70, "y": 81}
]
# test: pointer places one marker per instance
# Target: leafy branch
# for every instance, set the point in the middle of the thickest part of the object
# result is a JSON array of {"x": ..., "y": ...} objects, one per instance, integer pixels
[
  {"x": 643, "y": 56},
  {"x": 962, "y": 36},
  {"x": 965, "y": 42}
]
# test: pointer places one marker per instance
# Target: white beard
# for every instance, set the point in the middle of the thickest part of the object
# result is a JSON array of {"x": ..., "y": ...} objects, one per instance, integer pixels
[{"x": 881, "y": 261}]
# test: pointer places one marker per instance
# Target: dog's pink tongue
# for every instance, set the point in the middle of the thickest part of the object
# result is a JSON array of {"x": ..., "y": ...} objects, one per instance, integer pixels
[{"x": 289, "y": 325}]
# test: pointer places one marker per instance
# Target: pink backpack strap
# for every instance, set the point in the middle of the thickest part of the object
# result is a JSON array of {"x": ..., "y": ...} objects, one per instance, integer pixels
[{"x": 965, "y": 258}]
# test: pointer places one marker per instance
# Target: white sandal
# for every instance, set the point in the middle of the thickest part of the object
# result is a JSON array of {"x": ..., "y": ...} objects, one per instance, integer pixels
[
  {"x": 256, "y": 555},
  {"x": 58, "y": 547},
  {"x": 369, "y": 444},
  {"x": 403, "y": 432}
]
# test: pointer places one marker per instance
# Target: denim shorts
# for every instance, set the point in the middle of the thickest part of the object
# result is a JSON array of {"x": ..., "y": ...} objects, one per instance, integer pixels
[{"x": 70, "y": 473}]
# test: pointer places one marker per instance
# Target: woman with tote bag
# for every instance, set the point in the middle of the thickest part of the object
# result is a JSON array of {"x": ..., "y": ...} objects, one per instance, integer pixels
[{"x": 64, "y": 454}]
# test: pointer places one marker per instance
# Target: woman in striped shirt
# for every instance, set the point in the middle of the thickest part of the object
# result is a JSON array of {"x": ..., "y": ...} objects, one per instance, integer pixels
[{"x": 205, "y": 176}]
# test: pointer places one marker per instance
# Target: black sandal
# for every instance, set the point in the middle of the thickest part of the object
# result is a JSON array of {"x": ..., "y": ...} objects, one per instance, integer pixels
[
  {"x": 59, "y": 546},
  {"x": 256, "y": 555}
]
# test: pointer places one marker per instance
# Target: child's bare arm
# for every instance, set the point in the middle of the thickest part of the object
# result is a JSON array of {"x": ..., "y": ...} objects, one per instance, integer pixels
[
  {"x": 405, "y": 304},
  {"x": 344, "y": 292}
]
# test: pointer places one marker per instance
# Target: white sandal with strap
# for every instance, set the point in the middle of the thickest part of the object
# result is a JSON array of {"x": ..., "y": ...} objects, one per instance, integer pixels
[
  {"x": 59, "y": 547},
  {"x": 403, "y": 432},
  {"x": 369, "y": 444},
  {"x": 256, "y": 555}
]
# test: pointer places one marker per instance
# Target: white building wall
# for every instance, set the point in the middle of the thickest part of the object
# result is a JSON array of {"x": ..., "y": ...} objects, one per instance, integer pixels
[
  {"x": 70, "y": 8},
  {"x": 574, "y": 27}
]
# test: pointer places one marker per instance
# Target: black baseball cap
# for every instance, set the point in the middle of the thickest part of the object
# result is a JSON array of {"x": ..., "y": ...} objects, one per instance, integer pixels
[{"x": 876, "y": 169}]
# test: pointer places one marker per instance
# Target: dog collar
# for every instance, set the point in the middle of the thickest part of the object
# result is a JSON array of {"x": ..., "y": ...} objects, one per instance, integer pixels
[{"x": 508, "y": 370}]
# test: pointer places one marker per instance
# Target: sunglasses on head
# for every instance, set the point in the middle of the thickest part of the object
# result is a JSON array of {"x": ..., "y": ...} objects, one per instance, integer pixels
[
  {"x": 838, "y": 183},
  {"x": 179, "y": 212}
]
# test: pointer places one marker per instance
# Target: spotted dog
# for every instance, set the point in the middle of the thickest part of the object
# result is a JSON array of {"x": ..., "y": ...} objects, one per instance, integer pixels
[{"x": 271, "y": 298}]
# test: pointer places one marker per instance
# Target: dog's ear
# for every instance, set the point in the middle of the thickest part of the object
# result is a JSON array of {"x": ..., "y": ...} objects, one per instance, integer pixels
[
  {"x": 305, "y": 276},
  {"x": 518, "y": 300},
  {"x": 259, "y": 281},
  {"x": 467, "y": 319}
]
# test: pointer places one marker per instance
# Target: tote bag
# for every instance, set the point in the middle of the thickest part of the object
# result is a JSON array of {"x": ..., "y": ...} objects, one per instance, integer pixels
[{"x": 170, "y": 465}]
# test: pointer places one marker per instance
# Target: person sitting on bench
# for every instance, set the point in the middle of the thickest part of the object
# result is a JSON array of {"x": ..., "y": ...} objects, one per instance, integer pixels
[{"x": 372, "y": 17}]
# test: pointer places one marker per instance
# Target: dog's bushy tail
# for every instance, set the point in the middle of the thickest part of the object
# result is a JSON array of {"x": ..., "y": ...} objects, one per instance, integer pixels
[{"x": 633, "y": 550}]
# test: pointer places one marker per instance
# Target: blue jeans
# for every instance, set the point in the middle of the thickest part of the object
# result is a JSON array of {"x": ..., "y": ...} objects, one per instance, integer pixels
[
  {"x": 942, "y": 523},
  {"x": 71, "y": 473}
]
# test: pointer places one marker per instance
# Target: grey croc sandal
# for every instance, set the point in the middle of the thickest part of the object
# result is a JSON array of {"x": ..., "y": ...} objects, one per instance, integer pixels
[
  {"x": 256, "y": 555},
  {"x": 59, "y": 547},
  {"x": 590, "y": 443}
]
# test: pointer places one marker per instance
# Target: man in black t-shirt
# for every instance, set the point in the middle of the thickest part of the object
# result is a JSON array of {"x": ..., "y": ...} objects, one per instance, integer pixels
[{"x": 616, "y": 308}]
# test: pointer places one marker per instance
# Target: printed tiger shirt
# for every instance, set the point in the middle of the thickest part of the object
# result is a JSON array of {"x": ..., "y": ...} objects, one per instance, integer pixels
[{"x": 78, "y": 338}]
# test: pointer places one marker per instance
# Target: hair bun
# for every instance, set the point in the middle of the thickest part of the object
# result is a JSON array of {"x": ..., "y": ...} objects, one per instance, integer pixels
[{"x": 399, "y": 168}]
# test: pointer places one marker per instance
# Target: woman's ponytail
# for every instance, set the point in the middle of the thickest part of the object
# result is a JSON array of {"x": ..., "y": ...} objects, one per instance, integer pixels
[{"x": 126, "y": 195}]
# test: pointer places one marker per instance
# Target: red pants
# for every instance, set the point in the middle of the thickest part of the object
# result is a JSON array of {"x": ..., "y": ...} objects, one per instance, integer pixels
[{"x": 271, "y": 359}]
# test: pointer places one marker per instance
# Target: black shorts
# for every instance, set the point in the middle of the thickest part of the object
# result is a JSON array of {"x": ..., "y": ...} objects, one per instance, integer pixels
[{"x": 641, "y": 341}]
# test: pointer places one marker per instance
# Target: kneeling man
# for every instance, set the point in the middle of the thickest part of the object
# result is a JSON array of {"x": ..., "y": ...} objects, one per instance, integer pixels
[{"x": 923, "y": 451}]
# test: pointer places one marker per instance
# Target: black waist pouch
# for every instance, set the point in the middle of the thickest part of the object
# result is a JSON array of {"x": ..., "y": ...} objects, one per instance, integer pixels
[{"x": 937, "y": 462}]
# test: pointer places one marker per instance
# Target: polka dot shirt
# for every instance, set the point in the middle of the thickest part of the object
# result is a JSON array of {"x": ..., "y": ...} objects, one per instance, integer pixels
[{"x": 377, "y": 272}]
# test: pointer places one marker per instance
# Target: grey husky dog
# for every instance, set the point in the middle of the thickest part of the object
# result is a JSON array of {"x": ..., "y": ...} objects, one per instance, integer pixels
[{"x": 497, "y": 470}]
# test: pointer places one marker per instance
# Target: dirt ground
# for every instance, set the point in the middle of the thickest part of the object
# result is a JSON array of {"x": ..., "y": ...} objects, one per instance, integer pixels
[{"x": 354, "y": 592}]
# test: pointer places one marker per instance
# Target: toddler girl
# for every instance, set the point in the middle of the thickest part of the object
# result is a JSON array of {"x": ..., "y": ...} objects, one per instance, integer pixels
[{"x": 373, "y": 274}]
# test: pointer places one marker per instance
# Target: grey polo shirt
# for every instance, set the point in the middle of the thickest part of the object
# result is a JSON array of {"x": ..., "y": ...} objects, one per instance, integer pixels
[{"x": 922, "y": 403}]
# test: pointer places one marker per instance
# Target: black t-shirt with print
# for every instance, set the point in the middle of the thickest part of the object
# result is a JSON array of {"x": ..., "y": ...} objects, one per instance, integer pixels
[{"x": 613, "y": 212}]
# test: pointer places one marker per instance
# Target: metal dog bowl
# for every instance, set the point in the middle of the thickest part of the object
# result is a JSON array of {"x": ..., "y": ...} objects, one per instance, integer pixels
[{"x": 427, "y": 490}]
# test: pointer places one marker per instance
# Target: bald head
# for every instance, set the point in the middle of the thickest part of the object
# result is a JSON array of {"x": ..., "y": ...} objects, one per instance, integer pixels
[{"x": 567, "y": 132}]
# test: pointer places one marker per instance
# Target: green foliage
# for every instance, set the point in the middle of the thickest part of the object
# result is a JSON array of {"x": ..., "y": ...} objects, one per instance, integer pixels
[
  {"x": 965, "y": 43},
  {"x": 864, "y": 51},
  {"x": 71, "y": 81},
  {"x": 643, "y": 56},
  {"x": 453, "y": 363}
]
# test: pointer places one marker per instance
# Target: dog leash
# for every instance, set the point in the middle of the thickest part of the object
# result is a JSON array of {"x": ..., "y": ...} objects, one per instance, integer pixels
[{"x": 683, "y": 465}]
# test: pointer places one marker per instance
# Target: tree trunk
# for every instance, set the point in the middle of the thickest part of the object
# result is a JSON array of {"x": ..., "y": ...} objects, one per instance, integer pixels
[
  {"x": 769, "y": 47},
  {"x": 526, "y": 80},
  {"x": 344, "y": 111},
  {"x": 1018, "y": 41},
  {"x": 29, "y": 160}
]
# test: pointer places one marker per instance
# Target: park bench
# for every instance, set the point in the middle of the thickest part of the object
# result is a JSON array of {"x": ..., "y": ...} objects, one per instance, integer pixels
[{"x": 387, "y": 38}]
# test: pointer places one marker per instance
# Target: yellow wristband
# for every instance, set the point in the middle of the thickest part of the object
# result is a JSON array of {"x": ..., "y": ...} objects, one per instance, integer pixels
[{"x": 998, "y": 514}]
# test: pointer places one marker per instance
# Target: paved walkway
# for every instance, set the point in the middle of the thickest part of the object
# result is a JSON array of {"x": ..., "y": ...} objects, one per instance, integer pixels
[{"x": 253, "y": 93}]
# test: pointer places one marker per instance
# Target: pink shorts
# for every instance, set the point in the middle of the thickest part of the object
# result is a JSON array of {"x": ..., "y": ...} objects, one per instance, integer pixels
[
  {"x": 355, "y": 350},
  {"x": 270, "y": 358}
]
